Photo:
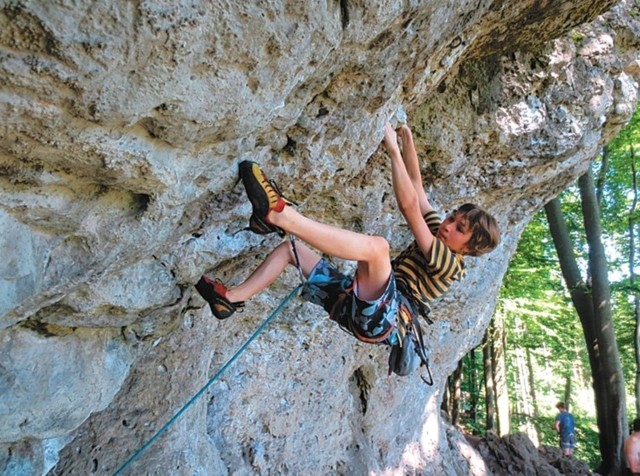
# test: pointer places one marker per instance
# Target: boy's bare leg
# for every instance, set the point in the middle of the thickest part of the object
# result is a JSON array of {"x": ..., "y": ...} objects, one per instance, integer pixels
[
  {"x": 272, "y": 268},
  {"x": 371, "y": 252}
]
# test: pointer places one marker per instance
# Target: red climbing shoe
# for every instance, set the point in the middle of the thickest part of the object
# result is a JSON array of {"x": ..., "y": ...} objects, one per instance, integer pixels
[
  {"x": 264, "y": 196},
  {"x": 214, "y": 292}
]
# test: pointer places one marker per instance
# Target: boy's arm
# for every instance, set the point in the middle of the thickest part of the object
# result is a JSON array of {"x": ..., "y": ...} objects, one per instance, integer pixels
[
  {"x": 407, "y": 196},
  {"x": 411, "y": 163}
]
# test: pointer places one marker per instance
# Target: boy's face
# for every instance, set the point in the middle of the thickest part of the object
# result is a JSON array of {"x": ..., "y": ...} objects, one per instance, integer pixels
[{"x": 454, "y": 232}]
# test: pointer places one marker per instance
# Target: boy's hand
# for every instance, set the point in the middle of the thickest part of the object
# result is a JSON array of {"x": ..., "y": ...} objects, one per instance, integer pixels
[
  {"x": 390, "y": 139},
  {"x": 404, "y": 133}
]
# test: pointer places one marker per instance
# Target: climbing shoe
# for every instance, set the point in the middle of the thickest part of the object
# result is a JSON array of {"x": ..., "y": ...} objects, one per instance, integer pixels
[
  {"x": 264, "y": 196},
  {"x": 214, "y": 292}
]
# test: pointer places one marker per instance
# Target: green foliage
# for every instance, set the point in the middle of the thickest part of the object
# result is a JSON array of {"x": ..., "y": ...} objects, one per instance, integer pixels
[
  {"x": 472, "y": 407},
  {"x": 538, "y": 310},
  {"x": 616, "y": 213},
  {"x": 587, "y": 448},
  {"x": 539, "y": 316}
]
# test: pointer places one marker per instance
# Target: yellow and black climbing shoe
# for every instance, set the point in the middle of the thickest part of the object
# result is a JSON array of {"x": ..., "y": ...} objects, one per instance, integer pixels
[
  {"x": 214, "y": 292},
  {"x": 264, "y": 196}
]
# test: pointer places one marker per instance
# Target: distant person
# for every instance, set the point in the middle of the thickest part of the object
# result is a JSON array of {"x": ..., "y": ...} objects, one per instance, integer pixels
[
  {"x": 566, "y": 427},
  {"x": 632, "y": 449}
]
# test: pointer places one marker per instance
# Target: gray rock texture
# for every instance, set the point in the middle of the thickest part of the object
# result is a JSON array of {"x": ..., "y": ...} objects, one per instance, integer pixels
[
  {"x": 515, "y": 454},
  {"x": 122, "y": 124}
]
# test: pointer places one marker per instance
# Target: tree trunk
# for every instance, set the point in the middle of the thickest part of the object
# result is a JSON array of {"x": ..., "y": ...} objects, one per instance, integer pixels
[
  {"x": 499, "y": 366},
  {"x": 581, "y": 298},
  {"x": 489, "y": 394},
  {"x": 523, "y": 379},
  {"x": 455, "y": 389},
  {"x": 594, "y": 309},
  {"x": 614, "y": 398},
  {"x": 567, "y": 390},
  {"x": 536, "y": 435},
  {"x": 474, "y": 391},
  {"x": 445, "y": 406}
]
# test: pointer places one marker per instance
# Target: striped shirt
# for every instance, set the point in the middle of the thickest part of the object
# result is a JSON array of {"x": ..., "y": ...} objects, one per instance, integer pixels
[{"x": 423, "y": 278}]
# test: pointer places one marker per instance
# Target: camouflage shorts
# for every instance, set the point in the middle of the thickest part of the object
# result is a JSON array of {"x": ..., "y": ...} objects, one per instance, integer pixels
[{"x": 367, "y": 320}]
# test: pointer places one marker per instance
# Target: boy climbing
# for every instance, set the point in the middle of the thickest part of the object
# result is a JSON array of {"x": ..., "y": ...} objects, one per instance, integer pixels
[{"x": 384, "y": 296}]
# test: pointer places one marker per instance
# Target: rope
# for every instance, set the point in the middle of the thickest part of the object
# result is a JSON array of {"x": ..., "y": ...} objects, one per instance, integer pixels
[
  {"x": 172, "y": 420},
  {"x": 292, "y": 239}
]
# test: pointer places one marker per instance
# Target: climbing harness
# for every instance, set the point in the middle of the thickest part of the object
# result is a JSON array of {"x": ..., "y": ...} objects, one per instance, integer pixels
[
  {"x": 422, "y": 351},
  {"x": 410, "y": 351}
]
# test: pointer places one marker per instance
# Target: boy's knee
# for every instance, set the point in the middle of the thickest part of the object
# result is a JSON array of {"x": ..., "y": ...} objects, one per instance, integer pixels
[
  {"x": 378, "y": 247},
  {"x": 284, "y": 248}
]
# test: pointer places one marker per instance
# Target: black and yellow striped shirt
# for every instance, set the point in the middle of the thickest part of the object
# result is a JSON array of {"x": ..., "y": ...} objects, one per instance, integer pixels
[{"x": 424, "y": 277}]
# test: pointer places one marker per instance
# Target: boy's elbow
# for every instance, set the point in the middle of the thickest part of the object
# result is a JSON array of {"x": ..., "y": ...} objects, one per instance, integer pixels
[{"x": 408, "y": 204}]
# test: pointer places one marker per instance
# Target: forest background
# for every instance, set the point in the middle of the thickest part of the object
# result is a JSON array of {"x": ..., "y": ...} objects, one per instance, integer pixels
[{"x": 534, "y": 354}]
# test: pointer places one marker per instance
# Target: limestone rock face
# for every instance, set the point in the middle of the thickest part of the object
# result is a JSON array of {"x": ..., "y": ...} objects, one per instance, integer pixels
[{"x": 122, "y": 124}]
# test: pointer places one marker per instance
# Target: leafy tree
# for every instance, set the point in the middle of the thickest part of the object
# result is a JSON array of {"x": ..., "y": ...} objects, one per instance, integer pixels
[
  {"x": 592, "y": 299},
  {"x": 535, "y": 300},
  {"x": 621, "y": 217}
]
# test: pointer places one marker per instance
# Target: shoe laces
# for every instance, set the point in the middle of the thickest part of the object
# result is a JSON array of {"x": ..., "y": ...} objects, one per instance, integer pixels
[{"x": 274, "y": 184}]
